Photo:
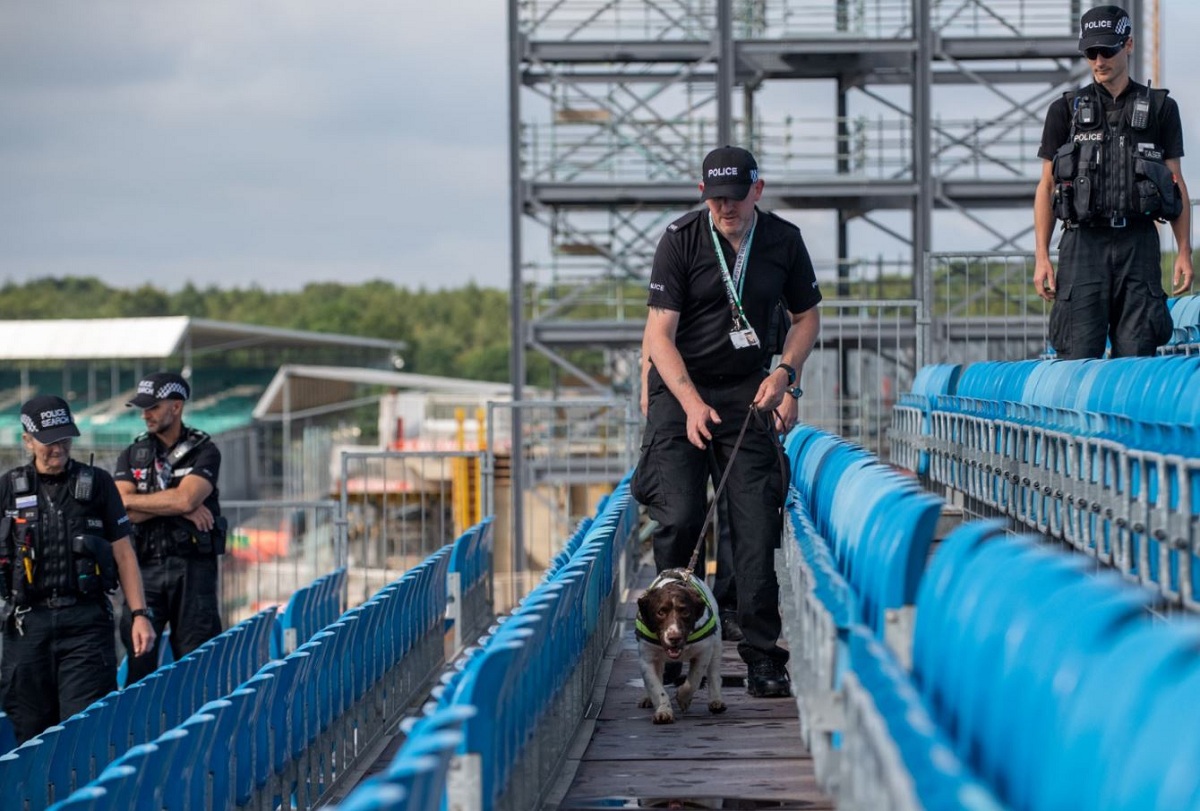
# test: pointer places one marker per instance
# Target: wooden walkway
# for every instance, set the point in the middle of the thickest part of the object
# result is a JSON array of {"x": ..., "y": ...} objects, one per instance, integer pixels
[{"x": 749, "y": 757}]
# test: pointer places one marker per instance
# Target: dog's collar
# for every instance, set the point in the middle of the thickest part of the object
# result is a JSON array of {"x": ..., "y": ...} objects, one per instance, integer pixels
[{"x": 708, "y": 621}]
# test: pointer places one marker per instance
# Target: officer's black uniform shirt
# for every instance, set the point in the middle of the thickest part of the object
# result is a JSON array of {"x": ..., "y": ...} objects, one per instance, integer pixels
[
  {"x": 1057, "y": 130},
  {"x": 686, "y": 278},
  {"x": 105, "y": 507},
  {"x": 204, "y": 461}
]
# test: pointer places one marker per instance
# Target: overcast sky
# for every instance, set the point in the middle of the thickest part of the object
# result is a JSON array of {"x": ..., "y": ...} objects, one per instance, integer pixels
[{"x": 281, "y": 142}]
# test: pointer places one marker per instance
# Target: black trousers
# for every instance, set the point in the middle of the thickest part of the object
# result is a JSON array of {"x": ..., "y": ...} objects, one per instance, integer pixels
[
  {"x": 671, "y": 481},
  {"x": 65, "y": 660},
  {"x": 182, "y": 592},
  {"x": 1109, "y": 287}
]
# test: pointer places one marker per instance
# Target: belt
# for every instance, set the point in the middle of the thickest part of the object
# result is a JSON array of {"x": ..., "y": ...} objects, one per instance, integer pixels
[
  {"x": 65, "y": 601},
  {"x": 1108, "y": 222},
  {"x": 717, "y": 381}
]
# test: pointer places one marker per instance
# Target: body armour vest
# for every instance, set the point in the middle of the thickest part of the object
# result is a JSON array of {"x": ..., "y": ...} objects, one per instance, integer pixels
[
  {"x": 151, "y": 477},
  {"x": 54, "y": 539},
  {"x": 1111, "y": 168}
]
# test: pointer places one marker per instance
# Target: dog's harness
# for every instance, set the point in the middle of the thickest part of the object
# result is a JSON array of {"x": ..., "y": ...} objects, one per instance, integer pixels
[{"x": 708, "y": 620}]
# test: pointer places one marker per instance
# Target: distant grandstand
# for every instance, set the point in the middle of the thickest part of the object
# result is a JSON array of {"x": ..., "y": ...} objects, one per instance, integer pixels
[{"x": 96, "y": 363}]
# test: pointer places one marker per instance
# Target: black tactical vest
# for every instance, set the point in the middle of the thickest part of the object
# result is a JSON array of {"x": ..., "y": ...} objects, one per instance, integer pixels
[
  {"x": 1111, "y": 169},
  {"x": 164, "y": 535},
  {"x": 54, "y": 539}
]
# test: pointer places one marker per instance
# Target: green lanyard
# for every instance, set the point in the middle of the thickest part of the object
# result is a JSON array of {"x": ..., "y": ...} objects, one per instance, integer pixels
[{"x": 734, "y": 282}]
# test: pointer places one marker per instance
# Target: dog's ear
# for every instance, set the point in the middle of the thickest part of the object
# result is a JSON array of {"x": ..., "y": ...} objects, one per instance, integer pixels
[{"x": 645, "y": 605}]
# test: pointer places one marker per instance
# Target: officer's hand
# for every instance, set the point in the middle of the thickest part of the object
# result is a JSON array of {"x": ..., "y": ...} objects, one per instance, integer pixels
[
  {"x": 1182, "y": 279},
  {"x": 143, "y": 636},
  {"x": 1043, "y": 279},
  {"x": 786, "y": 414},
  {"x": 699, "y": 416},
  {"x": 770, "y": 393},
  {"x": 202, "y": 517}
]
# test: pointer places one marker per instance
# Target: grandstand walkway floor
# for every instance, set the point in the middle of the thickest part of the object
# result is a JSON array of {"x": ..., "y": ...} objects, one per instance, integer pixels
[{"x": 749, "y": 757}]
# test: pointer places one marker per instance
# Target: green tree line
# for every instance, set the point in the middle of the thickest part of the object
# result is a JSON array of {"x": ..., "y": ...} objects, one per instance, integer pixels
[{"x": 457, "y": 333}]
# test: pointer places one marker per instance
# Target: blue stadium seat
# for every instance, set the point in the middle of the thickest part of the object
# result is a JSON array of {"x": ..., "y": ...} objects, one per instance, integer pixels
[
  {"x": 376, "y": 794},
  {"x": 8, "y": 738},
  {"x": 87, "y": 798}
]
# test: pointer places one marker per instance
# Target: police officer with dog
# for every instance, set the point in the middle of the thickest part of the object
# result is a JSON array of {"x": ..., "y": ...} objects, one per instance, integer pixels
[
  {"x": 64, "y": 547},
  {"x": 1110, "y": 170},
  {"x": 168, "y": 481},
  {"x": 717, "y": 277}
]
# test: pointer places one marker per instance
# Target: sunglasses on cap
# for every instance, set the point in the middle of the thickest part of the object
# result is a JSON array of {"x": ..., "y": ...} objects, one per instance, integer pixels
[{"x": 1108, "y": 53}]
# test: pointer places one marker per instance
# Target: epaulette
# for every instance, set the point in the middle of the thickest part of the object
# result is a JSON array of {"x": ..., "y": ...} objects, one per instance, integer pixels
[
  {"x": 781, "y": 220},
  {"x": 685, "y": 220}
]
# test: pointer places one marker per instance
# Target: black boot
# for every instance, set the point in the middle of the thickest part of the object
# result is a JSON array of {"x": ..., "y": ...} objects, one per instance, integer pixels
[
  {"x": 767, "y": 678},
  {"x": 730, "y": 630}
]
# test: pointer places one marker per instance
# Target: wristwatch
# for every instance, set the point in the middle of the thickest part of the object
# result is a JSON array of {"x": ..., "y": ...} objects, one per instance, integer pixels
[
  {"x": 148, "y": 613},
  {"x": 791, "y": 373},
  {"x": 796, "y": 392}
]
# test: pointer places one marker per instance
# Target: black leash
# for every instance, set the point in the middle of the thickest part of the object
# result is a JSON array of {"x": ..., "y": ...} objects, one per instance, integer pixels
[{"x": 751, "y": 412}]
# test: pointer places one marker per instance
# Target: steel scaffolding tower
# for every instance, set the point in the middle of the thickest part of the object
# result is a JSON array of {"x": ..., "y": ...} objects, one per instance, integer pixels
[{"x": 865, "y": 110}]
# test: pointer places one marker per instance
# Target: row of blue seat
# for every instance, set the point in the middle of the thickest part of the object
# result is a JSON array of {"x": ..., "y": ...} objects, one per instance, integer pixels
[
  {"x": 1035, "y": 683},
  {"x": 1054, "y": 683},
  {"x": 1185, "y": 322},
  {"x": 175, "y": 691},
  {"x": 68, "y": 755},
  {"x": 857, "y": 540},
  {"x": 500, "y": 710},
  {"x": 878, "y": 522},
  {"x": 297, "y": 724},
  {"x": 469, "y": 584},
  {"x": 1104, "y": 454},
  {"x": 308, "y": 610}
]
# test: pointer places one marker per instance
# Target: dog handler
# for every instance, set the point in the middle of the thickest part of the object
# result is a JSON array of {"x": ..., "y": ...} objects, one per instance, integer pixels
[
  {"x": 718, "y": 273},
  {"x": 64, "y": 543}
]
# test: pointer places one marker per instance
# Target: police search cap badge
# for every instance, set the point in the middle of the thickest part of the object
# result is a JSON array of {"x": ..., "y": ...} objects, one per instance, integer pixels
[
  {"x": 729, "y": 171},
  {"x": 160, "y": 386},
  {"x": 1104, "y": 27},
  {"x": 48, "y": 419}
]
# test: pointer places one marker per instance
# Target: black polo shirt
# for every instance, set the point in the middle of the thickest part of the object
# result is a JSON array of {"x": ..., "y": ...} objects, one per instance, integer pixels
[
  {"x": 686, "y": 278},
  {"x": 1057, "y": 129}
]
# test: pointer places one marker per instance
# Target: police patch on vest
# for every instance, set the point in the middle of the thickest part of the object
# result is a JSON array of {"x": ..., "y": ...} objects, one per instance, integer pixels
[
  {"x": 95, "y": 523},
  {"x": 26, "y": 502},
  {"x": 142, "y": 455}
]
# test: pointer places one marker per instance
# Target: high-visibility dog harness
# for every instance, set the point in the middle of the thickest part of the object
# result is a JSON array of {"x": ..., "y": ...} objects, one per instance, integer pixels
[{"x": 706, "y": 627}]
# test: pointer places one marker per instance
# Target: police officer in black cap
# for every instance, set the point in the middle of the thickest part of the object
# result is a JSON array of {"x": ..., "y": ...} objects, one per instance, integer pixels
[
  {"x": 64, "y": 544},
  {"x": 168, "y": 480},
  {"x": 1110, "y": 170},
  {"x": 717, "y": 278}
]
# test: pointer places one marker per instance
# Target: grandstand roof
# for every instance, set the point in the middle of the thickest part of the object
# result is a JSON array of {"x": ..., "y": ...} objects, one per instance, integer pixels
[
  {"x": 313, "y": 388},
  {"x": 116, "y": 338}
]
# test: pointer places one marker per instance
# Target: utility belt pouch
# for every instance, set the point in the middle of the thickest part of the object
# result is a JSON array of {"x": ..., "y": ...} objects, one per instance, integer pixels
[
  {"x": 7, "y": 556},
  {"x": 1087, "y": 202},
  {"x": 95, "y": 566},
  {"x": 22, "y": 577},
  {"x": 189, "y": 542},
  {"x": 24, "y": 536},
  {"x": 180, "y": 543},
  {"x": 219, "y": 533},
  {"x": 1063, "y": 167},
  {"x": 1155, "y": 192}
]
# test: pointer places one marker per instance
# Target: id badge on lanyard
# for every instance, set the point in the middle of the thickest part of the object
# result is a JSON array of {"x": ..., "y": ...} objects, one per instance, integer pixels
[{"x": 742, "y": 336}]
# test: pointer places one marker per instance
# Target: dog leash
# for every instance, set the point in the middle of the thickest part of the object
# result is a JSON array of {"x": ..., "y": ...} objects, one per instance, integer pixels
[{"x": 751, "y": 412}]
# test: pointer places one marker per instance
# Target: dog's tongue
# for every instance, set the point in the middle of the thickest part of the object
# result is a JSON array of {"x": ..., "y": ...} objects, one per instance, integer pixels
[{"x": 674, "y": 653}]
